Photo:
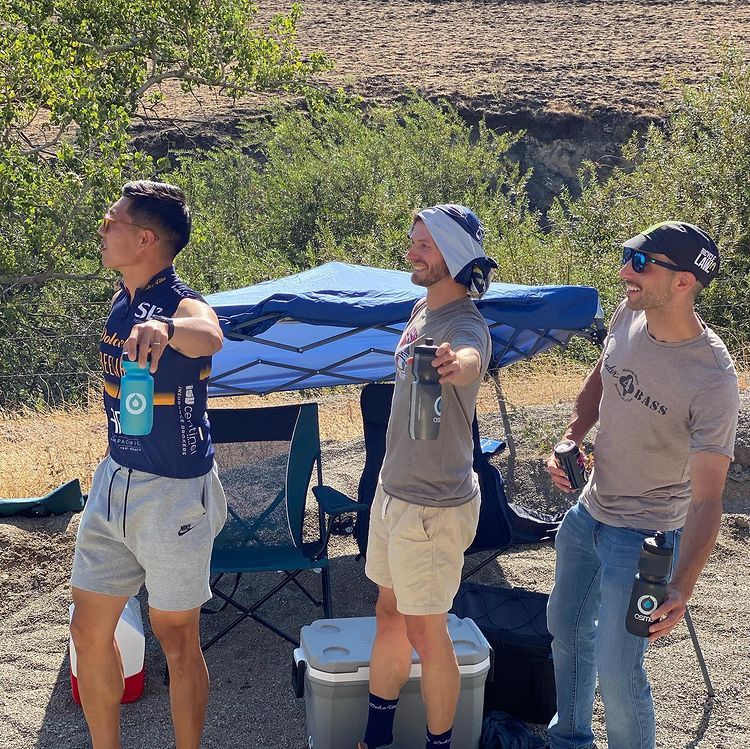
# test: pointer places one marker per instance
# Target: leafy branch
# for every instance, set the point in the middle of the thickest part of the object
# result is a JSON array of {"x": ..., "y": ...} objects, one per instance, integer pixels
[{"x": 73, "y": 76}]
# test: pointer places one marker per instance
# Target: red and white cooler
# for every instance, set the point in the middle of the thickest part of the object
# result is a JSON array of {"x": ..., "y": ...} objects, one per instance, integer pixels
[{"x": 132, "y": 645}]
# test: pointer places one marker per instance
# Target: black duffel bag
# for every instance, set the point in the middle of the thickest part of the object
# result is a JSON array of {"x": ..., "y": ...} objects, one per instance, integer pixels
[{"x": 514, "y": 621}]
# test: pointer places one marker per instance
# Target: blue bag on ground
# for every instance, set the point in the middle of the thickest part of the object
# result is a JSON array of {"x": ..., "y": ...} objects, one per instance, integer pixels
[
  {"x": 503, "y": 731},
  {"x": 514, "y": 621}
]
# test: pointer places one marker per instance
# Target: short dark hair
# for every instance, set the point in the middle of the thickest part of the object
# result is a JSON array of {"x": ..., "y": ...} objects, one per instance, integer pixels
[{"x": 162, "y": 206}]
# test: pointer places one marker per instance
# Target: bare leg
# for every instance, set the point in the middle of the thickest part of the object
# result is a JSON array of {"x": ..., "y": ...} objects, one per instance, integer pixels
[
  {"x": 178, "y": 633},
  {"x": 441, "y": 680},
  {"x": 100, "y": 678},
  {"x": 391, "y": 652}
]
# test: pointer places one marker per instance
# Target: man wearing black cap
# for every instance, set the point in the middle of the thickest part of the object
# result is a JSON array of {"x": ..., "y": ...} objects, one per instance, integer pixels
[
  {"x": 665, "y": 395},
  {"x": 426, "y": 507}
]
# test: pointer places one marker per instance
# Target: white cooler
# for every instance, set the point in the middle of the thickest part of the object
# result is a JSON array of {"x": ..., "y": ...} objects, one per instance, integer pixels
[
  {"x": 331, "y": 671},
  {"x": 132, "y": 646}
]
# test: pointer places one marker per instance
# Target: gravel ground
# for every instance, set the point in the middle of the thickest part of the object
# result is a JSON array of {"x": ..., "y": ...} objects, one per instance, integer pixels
[{"x": 252, "y": 704}]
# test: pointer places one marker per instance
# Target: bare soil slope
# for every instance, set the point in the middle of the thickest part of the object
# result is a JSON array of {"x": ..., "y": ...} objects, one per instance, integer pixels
[
  {"x": 579, "y": 77},
  {"x": 583, "y": 56}
]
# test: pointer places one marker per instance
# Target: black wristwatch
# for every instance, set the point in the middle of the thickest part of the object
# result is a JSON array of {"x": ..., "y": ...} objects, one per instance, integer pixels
[{"x": 169, "y": 322}]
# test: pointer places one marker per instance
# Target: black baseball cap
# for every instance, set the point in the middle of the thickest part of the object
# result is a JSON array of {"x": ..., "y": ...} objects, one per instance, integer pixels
[{"x": 686, "y": 245}]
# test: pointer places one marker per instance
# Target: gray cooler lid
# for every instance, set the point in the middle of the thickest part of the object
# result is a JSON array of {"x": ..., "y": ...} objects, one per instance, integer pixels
[{"x": 344, "y": 645}]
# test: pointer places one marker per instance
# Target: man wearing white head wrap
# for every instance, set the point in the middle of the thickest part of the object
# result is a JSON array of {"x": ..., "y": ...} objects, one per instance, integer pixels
[
  {"x": 426, "y": 506},
  {"x": 459, "y": 235}
]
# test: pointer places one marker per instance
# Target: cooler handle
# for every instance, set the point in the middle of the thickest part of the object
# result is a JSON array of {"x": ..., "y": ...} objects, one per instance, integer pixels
[{"x": 299, "y": 667}]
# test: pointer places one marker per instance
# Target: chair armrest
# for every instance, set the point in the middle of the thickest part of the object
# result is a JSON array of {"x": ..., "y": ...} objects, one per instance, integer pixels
[{"x": 334, "y": 502}]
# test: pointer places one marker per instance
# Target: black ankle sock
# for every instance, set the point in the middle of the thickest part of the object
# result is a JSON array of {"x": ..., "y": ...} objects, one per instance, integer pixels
[
  {"x": 379, "y": 731},
  {"x": 439, "y": 741}
]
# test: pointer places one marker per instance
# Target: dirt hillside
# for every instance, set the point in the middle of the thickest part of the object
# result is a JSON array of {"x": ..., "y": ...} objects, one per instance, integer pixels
[{"x": 579, "y": 76}]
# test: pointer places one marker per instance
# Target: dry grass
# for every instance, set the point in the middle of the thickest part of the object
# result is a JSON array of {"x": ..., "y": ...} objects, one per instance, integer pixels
[{"x": 40, "y": 451}]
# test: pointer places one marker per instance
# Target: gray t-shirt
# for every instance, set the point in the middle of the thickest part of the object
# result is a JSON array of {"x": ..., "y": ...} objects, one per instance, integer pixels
[
  {"x": 661, "y": 402},
  {"x": 435, "y": 472}
]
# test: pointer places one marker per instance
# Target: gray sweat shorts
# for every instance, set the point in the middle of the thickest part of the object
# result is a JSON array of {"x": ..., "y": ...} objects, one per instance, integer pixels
[{"x": 139, "y": 527}]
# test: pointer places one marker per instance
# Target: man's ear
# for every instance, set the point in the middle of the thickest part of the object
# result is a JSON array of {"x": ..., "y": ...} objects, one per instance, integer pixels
[
  {"x": 686, "y": 280},
  {"x": 147, "y": 241}
]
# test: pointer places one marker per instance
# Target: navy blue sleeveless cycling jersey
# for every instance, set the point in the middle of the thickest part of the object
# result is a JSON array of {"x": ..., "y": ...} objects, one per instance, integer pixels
[{"x": 179, "y": 445}]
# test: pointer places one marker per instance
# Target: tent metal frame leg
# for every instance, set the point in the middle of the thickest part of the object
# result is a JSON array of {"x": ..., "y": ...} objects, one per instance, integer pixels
[
  {"x": 509, "y": 440},
  {"x": 250, "y": 612},
  {"x": 491, "y": 558},
  {"x": 699, "y": 654}
]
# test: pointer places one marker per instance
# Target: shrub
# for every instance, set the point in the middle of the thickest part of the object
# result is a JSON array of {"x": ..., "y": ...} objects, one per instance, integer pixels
[
  {"x": 698, "y": 170},
  {"x": 340, "y": 181}
]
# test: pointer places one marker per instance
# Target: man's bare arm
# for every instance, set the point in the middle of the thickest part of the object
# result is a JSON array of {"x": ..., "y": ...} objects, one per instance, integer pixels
[
  {"x": 196, "y": 333},
  {"x": 196, "y": 330},
  {"x": 458, "y": 367},
  {"x": 586, "y": 407}
]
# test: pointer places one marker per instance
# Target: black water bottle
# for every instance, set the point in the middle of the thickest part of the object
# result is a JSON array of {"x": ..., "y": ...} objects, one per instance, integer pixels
[
  {"x": 650, "y": 586},
  {"x": 426, "y": 394}
]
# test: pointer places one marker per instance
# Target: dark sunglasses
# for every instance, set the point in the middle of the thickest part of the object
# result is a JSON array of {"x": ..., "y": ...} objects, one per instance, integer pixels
[{"x": 639, "y": 260}]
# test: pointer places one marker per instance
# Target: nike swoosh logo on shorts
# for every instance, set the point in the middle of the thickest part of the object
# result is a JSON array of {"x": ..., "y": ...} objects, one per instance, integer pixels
[{"x": 185, "y": 529}]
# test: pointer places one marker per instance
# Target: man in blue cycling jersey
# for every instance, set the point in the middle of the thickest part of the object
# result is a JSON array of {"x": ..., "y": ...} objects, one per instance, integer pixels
[{"x": 156, "y": 503}]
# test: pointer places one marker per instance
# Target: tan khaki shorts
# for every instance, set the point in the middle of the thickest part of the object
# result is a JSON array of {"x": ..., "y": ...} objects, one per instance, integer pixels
[{"x": 418, "y": 551}]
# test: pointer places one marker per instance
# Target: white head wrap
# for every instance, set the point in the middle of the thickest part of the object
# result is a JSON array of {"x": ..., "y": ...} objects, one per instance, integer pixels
[{"x": 459, "y": 235}]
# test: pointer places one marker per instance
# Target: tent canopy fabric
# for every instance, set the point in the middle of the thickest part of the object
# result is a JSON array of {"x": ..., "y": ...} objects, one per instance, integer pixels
[{"x": 339, "y": 324}]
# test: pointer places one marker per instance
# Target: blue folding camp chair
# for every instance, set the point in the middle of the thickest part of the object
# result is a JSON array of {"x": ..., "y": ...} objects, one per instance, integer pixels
[{"x": 266, "y": 458}]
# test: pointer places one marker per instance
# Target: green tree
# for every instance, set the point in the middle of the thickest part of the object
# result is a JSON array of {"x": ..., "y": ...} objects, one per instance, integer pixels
[{"x": 73, "y": 75}]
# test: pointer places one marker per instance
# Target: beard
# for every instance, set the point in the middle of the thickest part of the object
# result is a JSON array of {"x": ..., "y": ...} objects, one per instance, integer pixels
[
  {"x": 651, "y": 299},
  {"x": 430, "y": 275}
]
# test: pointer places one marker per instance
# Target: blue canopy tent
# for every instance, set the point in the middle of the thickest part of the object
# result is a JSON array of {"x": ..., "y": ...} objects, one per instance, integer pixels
[{"x": 339, "y": 324}]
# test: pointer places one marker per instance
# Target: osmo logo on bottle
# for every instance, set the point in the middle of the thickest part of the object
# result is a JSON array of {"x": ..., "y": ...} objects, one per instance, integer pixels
[
  {"x": 438, "y": 409},
  {"x": 135, "y": 403},
  {"x": 645, "y": 605},
  {"x": 650, "y": 584}
]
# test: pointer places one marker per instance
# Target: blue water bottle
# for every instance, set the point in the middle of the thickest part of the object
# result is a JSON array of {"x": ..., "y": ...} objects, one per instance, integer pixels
[{"x": 136, "y": 399}]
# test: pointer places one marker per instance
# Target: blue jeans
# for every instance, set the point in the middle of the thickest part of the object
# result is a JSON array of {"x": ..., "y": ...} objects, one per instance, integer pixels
[{"x": 594, "y": 572}]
